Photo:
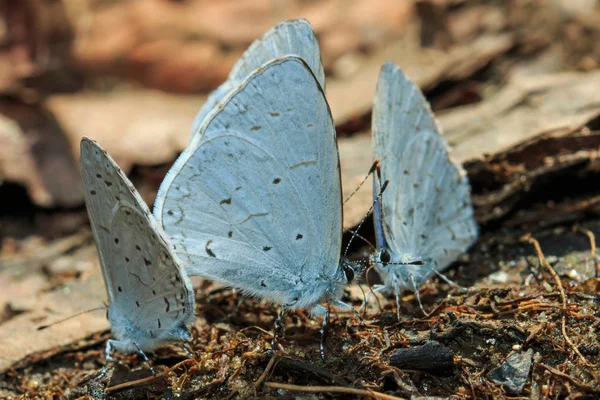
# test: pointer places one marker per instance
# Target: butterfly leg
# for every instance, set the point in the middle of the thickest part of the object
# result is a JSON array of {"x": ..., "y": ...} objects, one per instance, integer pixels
[
  {"x": 397, "y": 294},
  {"x": 186, "y": 349},
  {"x": 107, "y": 358},
  {"x": 418, "y": 295},
  {"x": 320, "y": 310},
  {"x": 375, "y": 289},
  {"x": 279, "y": 327},
  {"x": 348, "y": 307},
  {"x": 140, "y": 352},
  {"x": 448, "y": 280}
]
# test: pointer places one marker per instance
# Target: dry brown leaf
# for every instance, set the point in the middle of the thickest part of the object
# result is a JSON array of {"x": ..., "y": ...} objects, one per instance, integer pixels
[
  {"x": 141, "y": 127},
  {"x": 28, "y": 290},
  {"x": 35, "y": 153},
  {"x": 352, "y": 96}
]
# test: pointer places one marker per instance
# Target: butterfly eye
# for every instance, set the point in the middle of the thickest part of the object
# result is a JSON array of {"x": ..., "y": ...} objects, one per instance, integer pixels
[{"x": 385, "y": 256}]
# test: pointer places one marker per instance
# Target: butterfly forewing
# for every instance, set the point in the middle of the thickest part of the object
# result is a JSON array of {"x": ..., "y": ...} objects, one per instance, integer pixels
[
  {"x": 294, "y": 37},
  {"x": 256, "y": 204}
]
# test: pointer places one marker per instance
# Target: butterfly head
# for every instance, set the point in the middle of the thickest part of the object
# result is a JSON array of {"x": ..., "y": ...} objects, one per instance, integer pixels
[
  {"x": 399, "y": 270},
  {"x": 353, "y": 269}
]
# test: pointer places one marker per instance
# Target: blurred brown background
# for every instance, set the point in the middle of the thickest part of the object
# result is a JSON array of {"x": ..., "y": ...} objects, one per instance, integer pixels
[{"x": 132, "y": 74}]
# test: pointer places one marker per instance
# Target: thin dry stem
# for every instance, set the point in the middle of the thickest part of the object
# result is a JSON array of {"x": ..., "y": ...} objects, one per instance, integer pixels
[
  {"x": 147, "y": 379},
  {"x": 592, "y": 239},
  {"x": 332, "y": 389},
  {"x": 546, "y": 264},
  {"x": 573, "y": 381},
  {"x": 263, "y": 376}
]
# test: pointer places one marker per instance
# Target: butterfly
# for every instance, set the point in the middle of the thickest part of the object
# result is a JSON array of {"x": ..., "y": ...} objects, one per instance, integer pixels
[
  {"x": 254, "y": 201},
  {"x": 289, "y": 37},
  {"x": 424, "y": 220},
  {"x": 151, "y": 300}
]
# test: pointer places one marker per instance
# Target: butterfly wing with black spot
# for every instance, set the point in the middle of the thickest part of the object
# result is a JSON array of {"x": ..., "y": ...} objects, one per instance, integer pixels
[
  {"x": 255, "y": 203},
  {"x": 138, "y": 265},
  {"x": 427, "y": 209},
  {"x": 289, "y": 37}
]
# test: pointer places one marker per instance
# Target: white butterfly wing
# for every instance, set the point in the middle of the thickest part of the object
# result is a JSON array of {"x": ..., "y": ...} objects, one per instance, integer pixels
[
  {"x": 426, "y": 207},
  {"x": 256, "y": 203},
  {"x": 151, "y": 297},
  {"x": 294, "y": 37}
]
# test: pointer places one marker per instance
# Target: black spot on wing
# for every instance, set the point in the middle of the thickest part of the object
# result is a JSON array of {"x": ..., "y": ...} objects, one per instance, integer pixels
[
  {"x": 299, "y": 236},
  {"x": 226, "y": 201},
  {"x": 267, "y": 248},
  {"x": 167, "y": 303},
  {"x": 209, "y": 251},
  {"x": 274, "y": 114},
  {"x": 276, "y": 181}
]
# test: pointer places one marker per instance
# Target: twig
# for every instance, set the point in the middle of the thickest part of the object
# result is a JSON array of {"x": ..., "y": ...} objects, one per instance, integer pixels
[
  {"x": 592, "y": 239},
  {"x": 263, "y": 376},
  {"x": 546, "y": 264},
  {"x": 147, "y": 379},
  {"x": 333, "y": 389},
  {"x": 574, "y": 381},
  {"x": 258, "y": 328}
]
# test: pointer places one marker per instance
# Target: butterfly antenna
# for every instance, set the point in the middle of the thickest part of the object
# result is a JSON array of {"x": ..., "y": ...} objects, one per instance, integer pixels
[
  {"x": 42, "y": 327},
  {"x": 374, "y": 167},
  {"x": 367, "y": 242},
  {"x": 383, "y": 187},
  {"x": 408, "y": 263}
]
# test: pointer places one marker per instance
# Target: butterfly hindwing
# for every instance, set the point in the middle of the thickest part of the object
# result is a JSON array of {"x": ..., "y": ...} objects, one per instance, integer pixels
[
  {"x": 426, "y": 208},
  {"x": 140, "y": 271}
]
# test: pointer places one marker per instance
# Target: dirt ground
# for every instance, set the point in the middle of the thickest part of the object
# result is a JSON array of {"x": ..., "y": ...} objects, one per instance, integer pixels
[{"x": 515, "y": 87}]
